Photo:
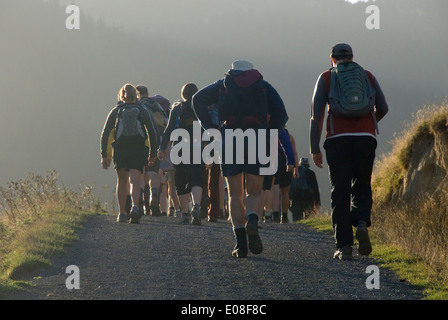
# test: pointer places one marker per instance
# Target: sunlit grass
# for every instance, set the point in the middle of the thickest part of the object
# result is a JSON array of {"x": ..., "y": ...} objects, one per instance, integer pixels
[{"x": 39, "y": 219}]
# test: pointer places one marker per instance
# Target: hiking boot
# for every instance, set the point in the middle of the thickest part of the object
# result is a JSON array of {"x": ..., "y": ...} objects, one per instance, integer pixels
[
  {"x": 171, "y": 214},
  {"x": 344, "y": 253},
  {"x": 141, "y": 209},
  {"x": 122, "y": 217},
  {"x": 135, "y": 216},
  {"x": 365, "y": 247},
  {"x": 128, "y": 206},
  {"x": 155, "y": 208},
  {"x": 255, "y": 245},
  {"x": 212, "y": 219},
  {"x": 240, "y": 250},
  {"x": 284, "y": 218},
  {"x": 204, "y": 207},
  {"x": 195, "y": 215},
  {"x": 185, "y": 218}
]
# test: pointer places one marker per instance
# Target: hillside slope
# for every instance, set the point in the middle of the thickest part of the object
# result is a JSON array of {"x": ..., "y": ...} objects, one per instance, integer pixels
[{"x": 410, "y": 187}]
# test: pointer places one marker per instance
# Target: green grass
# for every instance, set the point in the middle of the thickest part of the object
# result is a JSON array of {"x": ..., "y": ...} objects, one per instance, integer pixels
[
  {"x": 39, "y": 228},
  {"x": 408, "y": 268}
]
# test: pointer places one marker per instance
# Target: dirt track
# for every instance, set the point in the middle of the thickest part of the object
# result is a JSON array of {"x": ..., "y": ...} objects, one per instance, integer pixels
[{"x": 160, "y": 259}]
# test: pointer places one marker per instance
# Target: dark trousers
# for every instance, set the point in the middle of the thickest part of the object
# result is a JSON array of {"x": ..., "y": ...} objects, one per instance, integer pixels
[
  {"x": 350, "y": 161},
  {"x": 300, "y": 209}
]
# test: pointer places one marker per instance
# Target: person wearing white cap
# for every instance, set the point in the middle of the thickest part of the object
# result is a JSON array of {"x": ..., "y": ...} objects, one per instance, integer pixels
[{"x": 245, "y": 101}]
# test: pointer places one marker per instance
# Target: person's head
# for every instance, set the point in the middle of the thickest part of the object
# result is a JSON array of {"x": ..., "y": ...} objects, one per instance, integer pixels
[
  {"x": 128, "y": 94},
  {"x": 242, "y": 65},
  {"x": 341, "y": 52},
  {"x": 143, "y": 91},
  {"x": 304, "y": 162},
  {"x": 188, "y": 91}
]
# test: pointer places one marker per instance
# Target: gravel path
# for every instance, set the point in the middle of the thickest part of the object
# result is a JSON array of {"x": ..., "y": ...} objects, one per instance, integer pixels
[{"x": 160, "y": 259}]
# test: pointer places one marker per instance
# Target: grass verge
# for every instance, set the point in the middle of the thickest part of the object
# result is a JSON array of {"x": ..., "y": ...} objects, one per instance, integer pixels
[
  {"x": 39, "y": 219},
  {"x": 409, "y": 268}
]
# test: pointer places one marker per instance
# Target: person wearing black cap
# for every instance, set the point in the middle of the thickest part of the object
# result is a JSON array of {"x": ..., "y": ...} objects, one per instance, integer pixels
[{"x": 350, "y": 144}]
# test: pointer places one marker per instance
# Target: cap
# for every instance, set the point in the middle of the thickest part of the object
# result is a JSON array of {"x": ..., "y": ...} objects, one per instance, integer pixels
[
  {"x": 304, "y": 162},
  {"x": 242, "y": 65},
  {"x": 341, "y": 50}
]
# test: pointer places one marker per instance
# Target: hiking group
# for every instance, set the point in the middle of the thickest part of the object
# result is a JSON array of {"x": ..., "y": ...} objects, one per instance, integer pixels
[{"x": 138, "y": 138}]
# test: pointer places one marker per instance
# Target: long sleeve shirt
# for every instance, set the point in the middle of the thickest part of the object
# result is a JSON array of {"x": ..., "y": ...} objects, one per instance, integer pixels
[
  {"x": 210, "y": 95},
  {"x": 342, "y": 126}
]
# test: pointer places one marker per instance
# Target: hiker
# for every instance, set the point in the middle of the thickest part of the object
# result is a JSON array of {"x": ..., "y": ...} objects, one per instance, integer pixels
[
  {"x": 130, "y": 126},
  {"x": 244, "y": 101},
  {"x": 188, "y": 177},
  {"x": 276, "y": 186},
  {"x": 213, "y": 200},
  {"x": 152, "y": 174},
  {"x": 286, "y": 171},
  {"x": 304, "y": 192},
  {"x": 350, "y": 144}
]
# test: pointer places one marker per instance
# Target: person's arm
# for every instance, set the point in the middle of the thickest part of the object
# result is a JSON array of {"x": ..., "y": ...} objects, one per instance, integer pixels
[
  {"x": 202, "y": 100},
  {"x": 381, "y": 106},
  {"x": 287, "y": 147},
  {"x": 318, "y": 106},
  {"x": 109, "y": 125},
  {"x": 173, "y": 118},
  {"x": 151, "y": 131},
  {"x": 276, "y": 109},
  {"x": 296, "y": 156}
]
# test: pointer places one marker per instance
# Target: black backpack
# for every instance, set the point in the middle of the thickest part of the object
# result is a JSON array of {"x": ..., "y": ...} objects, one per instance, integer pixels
[
  {"x": 128, "y": 122},
  {"x": 300, "y": 188},
  {"x": 187, "y": 115},
  {"x": 243, "y": 107}
]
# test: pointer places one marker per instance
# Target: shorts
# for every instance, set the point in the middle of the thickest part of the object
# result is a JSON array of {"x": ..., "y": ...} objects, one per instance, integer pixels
[
  {"x": 166, "y": 164},
  {"x": 282, "y": 177},
  {"x": 267, "y": 182},
  {"x": 187, "y": 176},
  {"x": 247, "y": 156},
  {"x": 130, "y": 154}
]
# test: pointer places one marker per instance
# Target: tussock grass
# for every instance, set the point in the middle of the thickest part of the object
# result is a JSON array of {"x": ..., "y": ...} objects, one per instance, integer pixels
[
  {"x": 418, "y": 227},
  {"x": 38, "y": 218}
]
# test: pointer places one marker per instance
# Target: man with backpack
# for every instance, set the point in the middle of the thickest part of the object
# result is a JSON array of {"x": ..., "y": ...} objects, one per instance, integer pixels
[
  {"x": 188, "y": 177},
  {"x": 245, "y": 100},
  {"x": 356, "y": 104},
  {"x": 304, "y": 192},
  {"x": 153, "y": 174}
]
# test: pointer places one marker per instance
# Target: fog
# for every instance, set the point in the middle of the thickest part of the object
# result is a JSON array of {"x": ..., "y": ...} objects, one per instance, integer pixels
[{"x": 58, "y": 85}]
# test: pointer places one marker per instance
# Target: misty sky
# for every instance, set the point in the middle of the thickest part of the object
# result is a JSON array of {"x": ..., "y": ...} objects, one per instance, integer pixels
[{"x": 58, "y": 85}]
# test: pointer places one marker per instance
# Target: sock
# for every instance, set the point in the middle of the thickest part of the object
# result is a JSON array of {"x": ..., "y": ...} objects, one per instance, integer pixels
[{"x": 252, "y": 216}]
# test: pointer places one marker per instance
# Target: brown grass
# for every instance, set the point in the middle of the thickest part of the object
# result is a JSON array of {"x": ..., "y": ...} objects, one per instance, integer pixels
[{"x": 420, "y": 227}]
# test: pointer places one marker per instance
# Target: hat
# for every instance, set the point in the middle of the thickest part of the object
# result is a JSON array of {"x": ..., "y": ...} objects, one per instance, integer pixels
[
  {"x": 242, "y": 65},
  {"x": 341, "y": 50},
  {"x": 304, "y": 162}
]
